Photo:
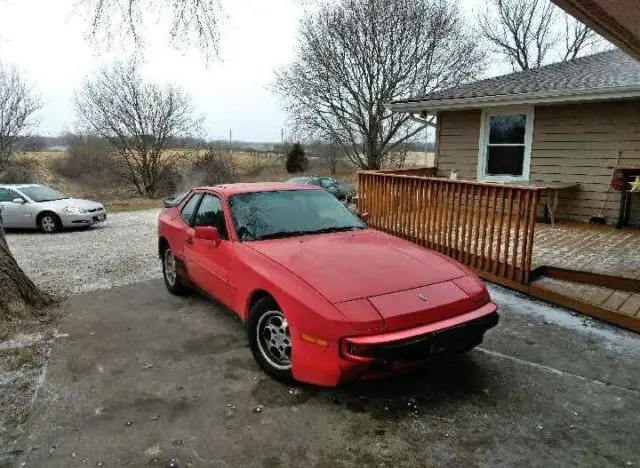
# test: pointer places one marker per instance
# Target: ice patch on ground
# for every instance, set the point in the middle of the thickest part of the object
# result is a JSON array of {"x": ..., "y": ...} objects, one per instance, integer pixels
[
  {"x": 518, "y": 303},
  {"x": 21, "y": 341}
]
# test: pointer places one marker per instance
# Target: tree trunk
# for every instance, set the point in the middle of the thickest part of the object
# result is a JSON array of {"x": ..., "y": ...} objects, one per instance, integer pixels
[
  {"x": 333, "y": 158},
  {"x": 19, "y": 297}
]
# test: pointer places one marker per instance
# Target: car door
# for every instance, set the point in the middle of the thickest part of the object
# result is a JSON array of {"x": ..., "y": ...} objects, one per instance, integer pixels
[
  {"x": 210, "y": 262},
  {"x": 14, "y": 215},
  {"x": 181, "y": 229}
]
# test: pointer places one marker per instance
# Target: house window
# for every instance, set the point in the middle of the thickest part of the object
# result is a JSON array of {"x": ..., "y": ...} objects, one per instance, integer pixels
[{"x": 505, "y": 148}]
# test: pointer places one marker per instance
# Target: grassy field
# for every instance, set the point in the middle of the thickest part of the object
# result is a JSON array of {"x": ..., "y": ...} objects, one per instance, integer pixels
[{"x": 246, "y": 167}]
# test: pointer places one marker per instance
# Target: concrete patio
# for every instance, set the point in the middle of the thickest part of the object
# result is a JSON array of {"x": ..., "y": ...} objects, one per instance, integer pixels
[{"x": 141, "y": 378}]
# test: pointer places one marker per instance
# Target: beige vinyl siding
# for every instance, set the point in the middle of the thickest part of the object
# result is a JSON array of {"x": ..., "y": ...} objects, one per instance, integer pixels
[
  {"x": 579, "y": 143},
  {"x": 457, "y": 145},
  {"x": 571, "y": 143}
]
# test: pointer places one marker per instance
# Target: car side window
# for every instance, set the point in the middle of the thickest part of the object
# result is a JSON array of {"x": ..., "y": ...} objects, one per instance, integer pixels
[
  {"x": 7, "y": 195},
  {"x": 210, "y": 213},
  {"x": 189, "y": 208}
]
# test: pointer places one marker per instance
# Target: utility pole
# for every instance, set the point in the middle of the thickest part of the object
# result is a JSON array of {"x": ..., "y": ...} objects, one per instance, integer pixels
[{"x": 229, "y": 141}]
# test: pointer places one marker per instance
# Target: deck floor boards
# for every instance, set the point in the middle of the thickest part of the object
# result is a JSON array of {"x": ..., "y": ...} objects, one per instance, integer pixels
[{"x": 597, "y": 249}]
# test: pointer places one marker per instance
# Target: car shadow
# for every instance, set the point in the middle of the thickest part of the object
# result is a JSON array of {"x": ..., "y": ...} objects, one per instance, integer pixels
[
  {"x": 444, "y": 380},
  {"x": 427, "y": 390},
  {"x": 63, "y": 231}
]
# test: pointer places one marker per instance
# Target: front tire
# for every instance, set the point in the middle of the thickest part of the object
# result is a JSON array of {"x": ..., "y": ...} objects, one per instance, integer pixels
[
  {"x": 170, "y": 274},
  {"x": 49, "y": 223},
  {"x": 270, "y": 340}
]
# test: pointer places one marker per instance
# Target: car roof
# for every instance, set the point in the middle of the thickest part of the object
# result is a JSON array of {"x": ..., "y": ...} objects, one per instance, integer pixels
[{"x": 235, "y": 189}]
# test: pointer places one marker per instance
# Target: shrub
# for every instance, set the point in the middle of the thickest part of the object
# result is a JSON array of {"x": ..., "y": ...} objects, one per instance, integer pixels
[
  {"x": 19, "y": 172},
  {"x": 213, "y": 168},
  {"x": 296, "y": 159},
  {"x": 88, "y": 159},
  {"x": 169, "y": 180}
]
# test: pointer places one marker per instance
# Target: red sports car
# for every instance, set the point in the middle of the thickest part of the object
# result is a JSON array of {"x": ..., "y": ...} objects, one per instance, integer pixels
[{"x": 325, "y": 298}]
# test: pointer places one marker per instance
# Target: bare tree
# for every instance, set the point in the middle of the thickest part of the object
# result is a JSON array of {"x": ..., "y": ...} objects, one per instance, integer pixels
[
  {"x": 329, "y": 151},
  {"x": 531, "y": 33},
  {"x": 192, "y": 22},
  {"x": 355, "y": 56},
  {"x": 578, "y": 38},
  {"x": 138, "y": 118},
  {"x": 18, "y": 106},
  {"x": 19, "y": 296},
  {"x": 333, "y": 158}
]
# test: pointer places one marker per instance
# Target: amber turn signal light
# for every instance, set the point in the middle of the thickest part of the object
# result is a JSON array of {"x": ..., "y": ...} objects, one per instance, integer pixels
[{"x": 315, "y": 340}]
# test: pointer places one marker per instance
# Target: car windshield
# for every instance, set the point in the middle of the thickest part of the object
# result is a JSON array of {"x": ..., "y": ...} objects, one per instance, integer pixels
[
  {"x": 287, "y": 213},
  {"x": 40, "y": 193}
]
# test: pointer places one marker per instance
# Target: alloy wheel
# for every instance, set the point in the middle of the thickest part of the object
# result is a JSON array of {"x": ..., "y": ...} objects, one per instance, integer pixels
[
  {"x": 170, "y": 273},
  {"x": 274, "y": 340}
]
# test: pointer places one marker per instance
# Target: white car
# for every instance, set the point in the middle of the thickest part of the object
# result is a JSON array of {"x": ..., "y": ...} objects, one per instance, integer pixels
[{"x": 24, "y": 206}]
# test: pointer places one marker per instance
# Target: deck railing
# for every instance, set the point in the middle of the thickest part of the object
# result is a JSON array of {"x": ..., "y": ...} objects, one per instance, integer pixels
[
  {"x": 414, "y": 171},
  {"x": 488, "y": 227}
]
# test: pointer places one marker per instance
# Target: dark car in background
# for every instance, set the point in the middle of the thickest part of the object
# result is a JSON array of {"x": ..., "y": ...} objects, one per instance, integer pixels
[{"x": 341, "y": 190}]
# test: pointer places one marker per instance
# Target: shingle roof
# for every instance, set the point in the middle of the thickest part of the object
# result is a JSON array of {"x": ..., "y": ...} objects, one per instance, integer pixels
[{"x": 608, "y": 70}]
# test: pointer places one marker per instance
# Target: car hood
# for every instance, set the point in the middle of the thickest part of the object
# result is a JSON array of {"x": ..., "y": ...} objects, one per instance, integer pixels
[
  {"x": 358, "y": 264},
  {"x": 79, "y": 202}
]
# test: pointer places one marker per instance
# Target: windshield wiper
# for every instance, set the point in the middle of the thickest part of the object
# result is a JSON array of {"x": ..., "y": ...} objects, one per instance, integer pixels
[
  {"x": 336, "y": 229},
  {"x": 280, "y": 234}
]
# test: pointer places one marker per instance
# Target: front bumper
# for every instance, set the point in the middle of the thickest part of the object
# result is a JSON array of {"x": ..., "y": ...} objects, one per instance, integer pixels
[
  {"x": 391, "y": 353},
  {"x": 83, "y": 219}
]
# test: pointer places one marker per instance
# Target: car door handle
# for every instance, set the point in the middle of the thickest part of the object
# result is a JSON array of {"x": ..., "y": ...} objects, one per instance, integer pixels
[{"x": 189, "y": 240}]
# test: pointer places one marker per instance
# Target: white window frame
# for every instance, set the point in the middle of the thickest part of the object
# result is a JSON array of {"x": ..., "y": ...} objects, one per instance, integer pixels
[{"x": 528, "y": 111}]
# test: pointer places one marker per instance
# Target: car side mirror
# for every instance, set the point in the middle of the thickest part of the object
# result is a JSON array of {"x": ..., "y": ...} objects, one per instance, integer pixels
[
  {"x": 209, "y": 233},
  {"x": 19, "y": 201}
]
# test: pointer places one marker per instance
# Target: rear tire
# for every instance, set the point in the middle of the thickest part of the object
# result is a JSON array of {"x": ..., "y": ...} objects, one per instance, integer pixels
[
  {"x": 49, "y": 223},
  {"x": 170, "y": 273},
  {"x": 269, "y": 339}
]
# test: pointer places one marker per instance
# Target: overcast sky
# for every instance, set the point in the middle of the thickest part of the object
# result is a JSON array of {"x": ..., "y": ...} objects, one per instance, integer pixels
[{"x": 47, "y": 42}]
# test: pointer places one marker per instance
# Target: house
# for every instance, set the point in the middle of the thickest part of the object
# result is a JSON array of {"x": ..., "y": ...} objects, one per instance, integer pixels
[{"x": 568, "y": 124}]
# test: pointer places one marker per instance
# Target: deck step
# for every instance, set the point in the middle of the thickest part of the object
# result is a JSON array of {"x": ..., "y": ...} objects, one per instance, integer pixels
[{"x": 618, "y": 306}]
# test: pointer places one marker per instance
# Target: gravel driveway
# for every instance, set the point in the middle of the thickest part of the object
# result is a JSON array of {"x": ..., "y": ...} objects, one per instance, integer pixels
[{"x": 121, "y": 251}]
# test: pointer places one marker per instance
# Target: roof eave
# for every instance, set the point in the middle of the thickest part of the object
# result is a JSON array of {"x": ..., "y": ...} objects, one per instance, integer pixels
[
  {"x": 615, "y": 20},
  {"x": 599, "y": 94}
]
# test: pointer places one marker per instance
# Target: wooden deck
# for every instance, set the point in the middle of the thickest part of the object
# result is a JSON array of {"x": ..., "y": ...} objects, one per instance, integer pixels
[
  {"x": 492, "y": 229},
  {"x": 613, "y": 255}
]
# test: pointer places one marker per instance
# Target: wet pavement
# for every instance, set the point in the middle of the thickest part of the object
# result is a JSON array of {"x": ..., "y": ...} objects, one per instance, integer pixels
[{"x": 147, "y": 379}]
